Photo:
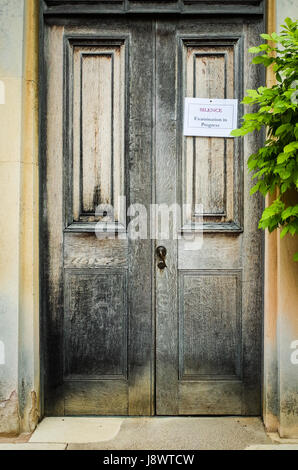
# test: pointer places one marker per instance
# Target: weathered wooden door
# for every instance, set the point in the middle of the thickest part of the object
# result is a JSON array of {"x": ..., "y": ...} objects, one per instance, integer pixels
[{"x": 124, "y": 337}]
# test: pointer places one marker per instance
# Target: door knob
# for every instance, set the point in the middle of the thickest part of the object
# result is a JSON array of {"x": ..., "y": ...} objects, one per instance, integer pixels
[{"x": 161, "y": 252}]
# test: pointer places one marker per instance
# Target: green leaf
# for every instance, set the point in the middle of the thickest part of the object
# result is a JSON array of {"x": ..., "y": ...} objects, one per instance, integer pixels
[
  {"x": 288, "y": 22},
  {"x": 247, "y": 100},
  {"x": 284, "y": 187},
  {"x": 283, "y": 128},
  {"x": 284, "y": 173},
  {"x": 260, "y": 59},
  {"x": 282, "y": 157},
  {"x": 252, "y": 93},
  {"x": 266, "y": 36},
  {"x": 276, "y": 208},
  {"x": 254, "y": 50},
  {"x": 292, "y": 230},
  {"x": 275, "y": 37},
  {"x": 284, "y": 231},
  {"x": 290, "y": 211},
  {"x": 275, "y": 111},
  {"x": 255, "y": 188},
  {"x": 291, "y": 147},
  {"x": 238, "y": 132},
  {"x": 278, "y": 77}
]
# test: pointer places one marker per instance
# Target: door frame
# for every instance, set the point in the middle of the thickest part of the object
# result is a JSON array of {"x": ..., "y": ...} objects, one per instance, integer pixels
[{"x": 51, "y": 14}]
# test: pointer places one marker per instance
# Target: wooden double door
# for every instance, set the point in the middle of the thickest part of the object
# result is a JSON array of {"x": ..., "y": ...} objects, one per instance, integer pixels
[{"x": 121, "y": 335}]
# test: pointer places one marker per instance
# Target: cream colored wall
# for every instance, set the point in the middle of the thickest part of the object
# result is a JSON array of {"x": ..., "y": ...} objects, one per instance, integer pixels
[
  {"x": 19, "y": 371},
  {"x": 11, "y": 75},
  {"x": 270, "y": 390},
  {"x": 281, "y": 300},
  {"x": 29, "y": 357},
  {"x": 287, "y": 333},
  {"x": 287, "y": 298}
]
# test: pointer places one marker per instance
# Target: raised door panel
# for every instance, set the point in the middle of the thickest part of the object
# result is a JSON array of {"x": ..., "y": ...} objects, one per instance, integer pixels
[
  {"x": 210, "y": 325},
  {"x": 95, "y": 93},
  {"x": 95, "y": 324},
  {"x": 211, "y": 166}
]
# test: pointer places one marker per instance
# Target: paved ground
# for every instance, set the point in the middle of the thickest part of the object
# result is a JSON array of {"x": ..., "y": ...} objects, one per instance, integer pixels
[{"x": 149, "y": 434}]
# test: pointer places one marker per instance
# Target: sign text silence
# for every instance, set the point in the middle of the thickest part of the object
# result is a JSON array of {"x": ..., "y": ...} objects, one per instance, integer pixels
[{"x": 210, "y": 117}]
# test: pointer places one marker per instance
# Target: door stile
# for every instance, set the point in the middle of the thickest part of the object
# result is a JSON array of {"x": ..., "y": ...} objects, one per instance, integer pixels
[
  {"x": 166, "y": 191},
  {"x": 141, "y": 331}
]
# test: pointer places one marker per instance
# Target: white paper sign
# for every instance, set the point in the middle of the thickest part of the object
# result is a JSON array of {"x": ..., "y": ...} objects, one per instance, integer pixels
[{"x": 210, "y": 118}]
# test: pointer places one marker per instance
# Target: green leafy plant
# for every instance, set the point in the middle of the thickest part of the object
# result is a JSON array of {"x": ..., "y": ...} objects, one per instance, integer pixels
[{"x": 275, "y": 165}]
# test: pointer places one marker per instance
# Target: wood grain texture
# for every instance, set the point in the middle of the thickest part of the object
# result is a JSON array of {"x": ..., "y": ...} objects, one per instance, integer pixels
[
  {"x": 214, "y": 375},
  {"x": 97, "y": 131},
  {"x": 231, "y": 2},
  {"x": 83, "y": 250},
  {"x": 96, "y": 128},
  {"x": 95, "y": 324},
  {"x": 211, "y": 398},
  {"x": 210, "y": 325},
  {"x": 210, "y": 165},
  {"x": 140, "y": 115},
  {"x": 252, "y": 253},
  {"x": 181, "y": 7},
  {"x": 166, "y": 192},
  {"x": 209, "y": 155},
  {"x": 93, "y": 398},
  {"x": 53, "y": 220},
  {"x": 99, "y": 314}
]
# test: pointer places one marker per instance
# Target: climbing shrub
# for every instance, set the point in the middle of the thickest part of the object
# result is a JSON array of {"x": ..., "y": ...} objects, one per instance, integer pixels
[{"x": 275, "y": 165}]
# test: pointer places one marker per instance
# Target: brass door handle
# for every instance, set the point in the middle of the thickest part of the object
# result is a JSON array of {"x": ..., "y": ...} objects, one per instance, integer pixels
[{"x": 161, "y": 252}]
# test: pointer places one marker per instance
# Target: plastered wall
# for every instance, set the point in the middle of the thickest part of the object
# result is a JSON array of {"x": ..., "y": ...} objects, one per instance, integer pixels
[
  {"x": 19, "y": 338},
  {"x": 280, "y": 392}
]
